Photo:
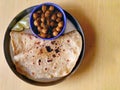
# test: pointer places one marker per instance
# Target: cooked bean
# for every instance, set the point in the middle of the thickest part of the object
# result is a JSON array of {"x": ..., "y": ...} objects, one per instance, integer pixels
[
  {"x": 55, "y": 33},
  {"x": 39, "y": 12},
  {"x": 48, "y": 36},
  {"x": 38, "y": 20},
  {"x": 58, "y": 29},
  {"x": 36, "y": 23},
  {"x": 42, "y": 25},
  {"x": 58, "y": 19},
  {"x": 44, "y": 8},
  {"x": 52, "y": 24},
  {"x": 35, "y": 16},
  {"x": 44, "y": 30},
  {"x": 54, "y": 29},
  {"x": 48, "y": 22},
  {"x": 59, "y": 14},
  {"x": 51, "y": 8},
  {"x": 47, "y": 13},
  {"x": 42, "y": 15},
  {"x": 60, "y": 24},
  {"x": 39, "y": 28},
  {"x": 43, "y": 19},
  {"x": 42, "y": 35},
  {"x": 53, "y": 17}
]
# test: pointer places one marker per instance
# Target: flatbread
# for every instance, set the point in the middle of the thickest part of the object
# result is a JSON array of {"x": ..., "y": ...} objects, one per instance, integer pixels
[
  {"x": 22, "y": 42},
  {"x": 36, "y": 58}
]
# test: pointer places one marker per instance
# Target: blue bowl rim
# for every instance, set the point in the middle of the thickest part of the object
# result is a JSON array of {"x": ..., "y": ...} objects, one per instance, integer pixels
[{"x": 56, "y": 6}]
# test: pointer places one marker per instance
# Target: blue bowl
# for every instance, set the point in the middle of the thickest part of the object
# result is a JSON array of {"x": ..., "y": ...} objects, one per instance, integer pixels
[{"x": 33, "y": 27}]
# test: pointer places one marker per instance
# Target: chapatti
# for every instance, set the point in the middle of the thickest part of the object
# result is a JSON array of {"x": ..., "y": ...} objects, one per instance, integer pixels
[{"x": 36, "y": 58}]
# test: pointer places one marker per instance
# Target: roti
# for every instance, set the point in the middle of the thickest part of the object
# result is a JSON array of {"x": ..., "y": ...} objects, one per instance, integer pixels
[{"x": 36, "y": 58}]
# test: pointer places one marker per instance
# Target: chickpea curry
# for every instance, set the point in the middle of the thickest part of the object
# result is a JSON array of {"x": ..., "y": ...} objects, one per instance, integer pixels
[{"x": 49, "y": 21}]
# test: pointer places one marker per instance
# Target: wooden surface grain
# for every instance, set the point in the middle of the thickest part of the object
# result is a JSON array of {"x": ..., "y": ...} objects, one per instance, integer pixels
[{"x": 100, "y": 69}]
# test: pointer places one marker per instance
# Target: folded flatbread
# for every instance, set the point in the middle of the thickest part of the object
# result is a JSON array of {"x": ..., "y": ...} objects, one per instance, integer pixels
[{"x": 36, "y": 58}]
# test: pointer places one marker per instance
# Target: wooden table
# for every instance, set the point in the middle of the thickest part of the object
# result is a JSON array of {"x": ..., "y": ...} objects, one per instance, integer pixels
[{"x": 100, "y": 69}]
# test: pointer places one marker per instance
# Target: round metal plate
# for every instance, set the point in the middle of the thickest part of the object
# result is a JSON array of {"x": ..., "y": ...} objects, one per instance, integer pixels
[{"x": 8, "y": 55}]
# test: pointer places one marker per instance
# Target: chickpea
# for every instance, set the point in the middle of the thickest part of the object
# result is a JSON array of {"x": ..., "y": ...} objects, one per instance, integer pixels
[
  {"x": 44, "y": 8},
  {"x": 39, "y": 28},
  {"x": 58, "y": 29},
  {"x": 55, "y": 33},
  {"x": 58, "y": 19},
  {"x": 48, "y": 36},
  {"x": 36, "y": 23},
  {"x": 43, "y": 35},
  {"x": 44, "y": 30},
  {"x": 43, "y": 19},
  {"x": 42, "y": 15},
  {"x": 51, "y": 8},
  {"x": 38, "y": 20},
  {"x": 59, "y": 14},
  {"x": 35, "y": 16},
  {"x": 47, "y": 13},
  {"x": 53, "y": 17},
  {"x": 52, "y": 24},
  {"x": 54, "y": 29},
  {"x": 39, "y": 12},
  {"x": 48, "y": 22},
  {"x": 60, "y": 24},
  {"x": 43, "y": 25}
]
